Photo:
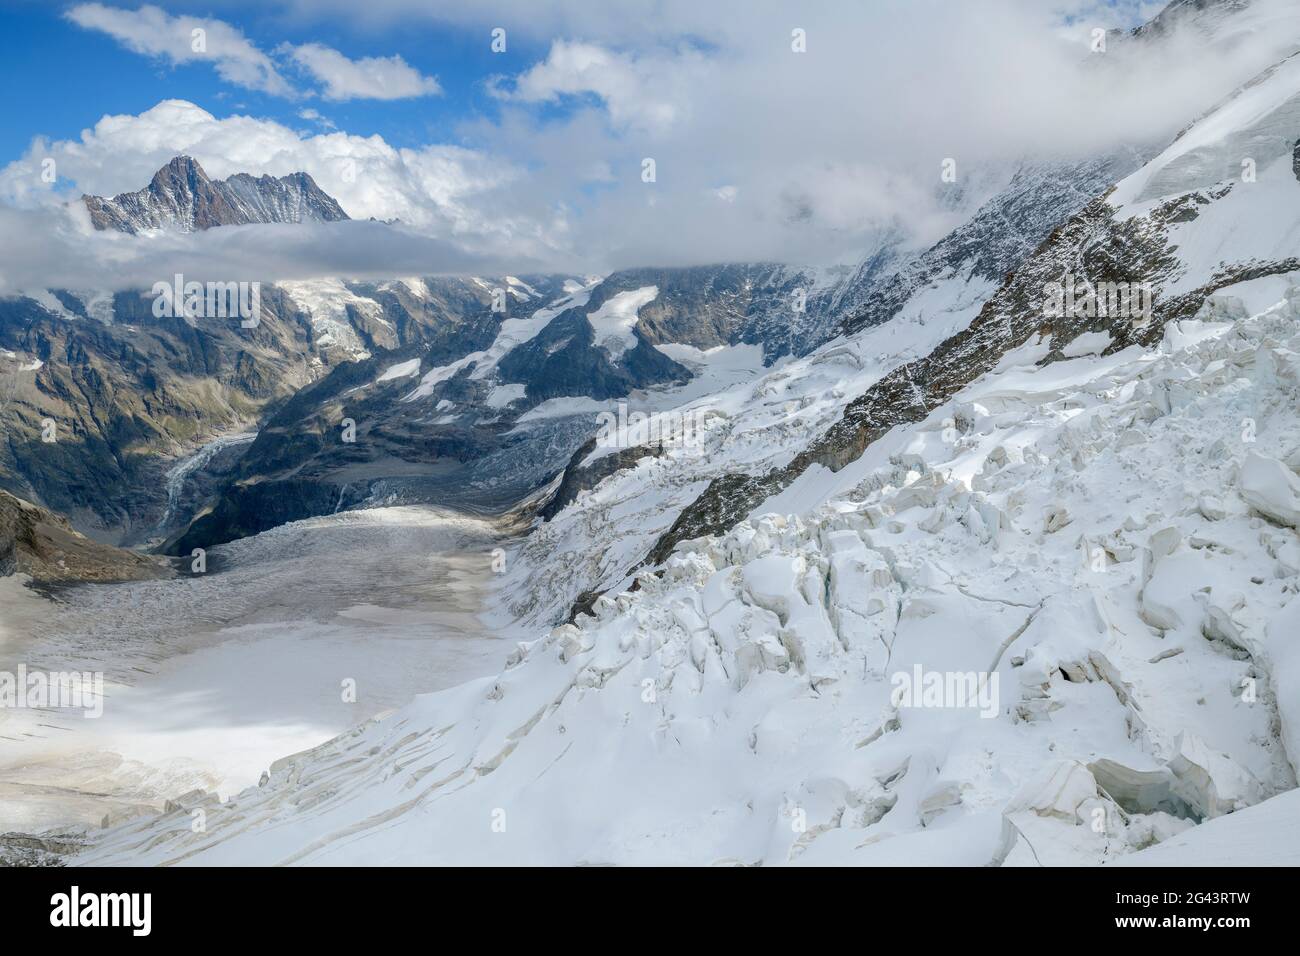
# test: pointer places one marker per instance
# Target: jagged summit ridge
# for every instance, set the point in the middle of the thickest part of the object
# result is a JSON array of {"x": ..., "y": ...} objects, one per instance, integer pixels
[{"x": 182, "y": 197}]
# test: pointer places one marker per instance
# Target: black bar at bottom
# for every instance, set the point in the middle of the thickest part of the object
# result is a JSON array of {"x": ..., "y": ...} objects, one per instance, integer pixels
[{"x": 335, "y": 906}]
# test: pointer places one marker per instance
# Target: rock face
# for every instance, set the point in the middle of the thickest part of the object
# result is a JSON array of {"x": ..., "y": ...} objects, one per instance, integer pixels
[
  {"x": 43, "y": 545},
  {"x": 181, "y": 197},
  {"x": 92, "y": 409},
  {"x": 565, "y": 360}
]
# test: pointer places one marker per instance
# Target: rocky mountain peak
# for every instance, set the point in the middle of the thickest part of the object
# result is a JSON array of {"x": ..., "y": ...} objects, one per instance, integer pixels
[
  {"x": 182, "y": 197},
  {"x": 180, "y": 169}
]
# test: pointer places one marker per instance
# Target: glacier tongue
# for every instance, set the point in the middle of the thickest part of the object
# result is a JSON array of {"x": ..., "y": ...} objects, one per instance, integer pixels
[{"x": 1047, "y": 624}]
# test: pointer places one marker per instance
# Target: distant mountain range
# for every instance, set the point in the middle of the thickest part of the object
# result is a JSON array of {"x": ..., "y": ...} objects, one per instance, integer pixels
[{"x": 456, "y": 400}]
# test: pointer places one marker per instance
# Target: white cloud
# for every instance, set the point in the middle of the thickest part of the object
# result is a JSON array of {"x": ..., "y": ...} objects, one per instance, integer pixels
[
  {"x": 185, "y": 39},
  {"x": 58, "y": 248},
  {"x": 313, "y": 116},
  {"x": 827, "y": 148},
  {"x": 641, "y": 92},
  {"x": 720, "y": 22},
  {"x": 153, "y": 32},
  {"x": 449, "y": 191},
  {"x": 372, "y": 77}
]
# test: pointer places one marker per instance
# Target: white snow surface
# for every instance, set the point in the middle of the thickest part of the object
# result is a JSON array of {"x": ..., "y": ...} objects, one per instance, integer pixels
[
  {"x": 614, "y": 321},
  {"x": 757, "y": 420},
  {"x": 712, "y": 370},
  {"x": 1089, "y": 343},
  {"x": 400, "y": 370},
  {"x": 503, "y": 395},
  {"x": 1262, "y": 835},
  {"x": 1238, "y": 163},
  {"x": 1257, "y": 122}
]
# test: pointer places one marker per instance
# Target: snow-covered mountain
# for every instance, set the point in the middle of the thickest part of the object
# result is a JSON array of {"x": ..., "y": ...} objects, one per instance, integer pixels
[
  {"x": 126, "y": 392},
  {"x": 130, "y": 391},
  {"x": 182, "y": 198},
  {"x": 1007, "y": 572},
  {"x": 1184, "y": 225}
]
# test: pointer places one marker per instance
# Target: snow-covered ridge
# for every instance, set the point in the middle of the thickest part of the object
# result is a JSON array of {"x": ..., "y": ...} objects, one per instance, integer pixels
[
  {"x": 1247, "y": 133},
  {"x": 1088, "y": 532}
]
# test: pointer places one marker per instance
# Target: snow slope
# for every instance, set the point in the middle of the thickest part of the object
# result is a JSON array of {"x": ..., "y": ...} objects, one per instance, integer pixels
[
  {"x": 1240, "y": 165},
  {"x": 1079, "y": 534},
  {"x": 1096, "y": 559},
  {"x": 328, "y": 302},
  {"x": 613, "y": 322}
]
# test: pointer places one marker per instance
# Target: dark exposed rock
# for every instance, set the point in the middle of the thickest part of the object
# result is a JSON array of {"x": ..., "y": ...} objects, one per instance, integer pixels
[
  {"x": 44, "y": 546},
  {"x": 247, "y": 509}
]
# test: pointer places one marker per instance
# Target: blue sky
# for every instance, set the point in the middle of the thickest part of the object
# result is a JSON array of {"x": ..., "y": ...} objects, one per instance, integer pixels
[{"x": 65, "y": 77}]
